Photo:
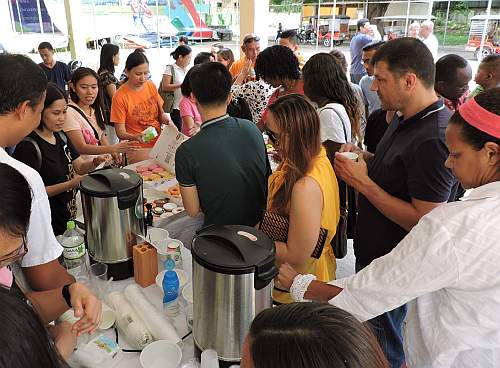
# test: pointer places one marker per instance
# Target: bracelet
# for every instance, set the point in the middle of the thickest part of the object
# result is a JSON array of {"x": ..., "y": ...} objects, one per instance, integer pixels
[
  {"x": 300, "y": 285},
  {"x": 66, "y": 294}
]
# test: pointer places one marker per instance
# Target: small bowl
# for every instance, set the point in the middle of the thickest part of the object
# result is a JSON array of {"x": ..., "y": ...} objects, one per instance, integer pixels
[
  {"x": 169, "y": 206},
  {"x": 178, "y": 210},
  {"x": 161, "y": 353},
  {"x": 181, "y": 274},
  {"x": 158, "y": 211}
]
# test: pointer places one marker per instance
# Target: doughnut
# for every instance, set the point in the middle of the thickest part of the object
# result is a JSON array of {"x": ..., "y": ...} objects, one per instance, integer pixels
[
  {"x": 153, "y": 166},
  {"x": 166, "y": 175},
  {"x": 174, "y": 191},
  {"x": 141, "y": 168},
  {"x": 158, "y": 170},
  {"x": 154, "y": 177}
]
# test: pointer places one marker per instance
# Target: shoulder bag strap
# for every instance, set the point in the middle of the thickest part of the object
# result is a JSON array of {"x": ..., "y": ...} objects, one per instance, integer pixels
[
  {"x": 341, "y": 120},
  {"x": 96, "y": 135},
  {"x": 37, "y": 152}
]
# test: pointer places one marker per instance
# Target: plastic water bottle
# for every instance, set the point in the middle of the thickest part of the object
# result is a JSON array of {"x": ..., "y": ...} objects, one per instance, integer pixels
[
  {"x": 170, "y": 289},
  {"x": 73, "y": 243}
]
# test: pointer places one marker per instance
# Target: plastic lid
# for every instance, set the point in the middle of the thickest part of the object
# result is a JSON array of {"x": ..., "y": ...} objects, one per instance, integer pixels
[
  {"x": 70, "y": 225},
  {"x": 233, "y": 249},
  {"x": 110, "y": 182}
]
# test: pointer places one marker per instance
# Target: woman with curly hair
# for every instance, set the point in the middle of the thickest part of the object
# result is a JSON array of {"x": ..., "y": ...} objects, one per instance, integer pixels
[
  {"x": 326, "y": 85},
  {"x": 278, "y": 66}
]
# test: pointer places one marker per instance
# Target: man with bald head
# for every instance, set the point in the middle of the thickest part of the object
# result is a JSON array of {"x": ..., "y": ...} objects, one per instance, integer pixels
[{"x": 427, "y": 34}]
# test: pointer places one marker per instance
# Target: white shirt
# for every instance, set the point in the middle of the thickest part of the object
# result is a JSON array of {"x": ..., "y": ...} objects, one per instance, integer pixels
[
  {"x": 432, "y": 44},
  {"x": 447, "y": 270},
  {"x": 42, "y": 244},
  {"x": 179, "y": 75},
  {"x": 331, "y": 125}
]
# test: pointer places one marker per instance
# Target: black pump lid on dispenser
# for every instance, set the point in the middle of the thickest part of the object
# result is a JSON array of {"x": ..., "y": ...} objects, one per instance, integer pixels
[
  {"x": 113, "y": 182},
  {"x": 236, "y": 250}
]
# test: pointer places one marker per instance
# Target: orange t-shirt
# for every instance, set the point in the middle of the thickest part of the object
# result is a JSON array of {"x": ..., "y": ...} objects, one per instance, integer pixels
[
  {"x": 137, "y": 109},
  {"x": 237, "y": 67}
]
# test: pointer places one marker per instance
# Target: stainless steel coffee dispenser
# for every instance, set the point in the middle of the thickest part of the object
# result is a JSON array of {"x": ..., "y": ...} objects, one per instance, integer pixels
[
  {"x": 232, "y": 271},
  {"x": 113, "y": 213}
]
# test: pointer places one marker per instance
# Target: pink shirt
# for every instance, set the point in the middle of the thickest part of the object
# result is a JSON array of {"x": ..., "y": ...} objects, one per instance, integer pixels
[
  {"x": 6, "y": 277},
  {"x": 188, "y": 108}
]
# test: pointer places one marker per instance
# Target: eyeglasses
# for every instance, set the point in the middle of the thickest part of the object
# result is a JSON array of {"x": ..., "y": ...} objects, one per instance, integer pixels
[
  {"x": 275, "y": 139},
  {"x": 16, "y": 255}
]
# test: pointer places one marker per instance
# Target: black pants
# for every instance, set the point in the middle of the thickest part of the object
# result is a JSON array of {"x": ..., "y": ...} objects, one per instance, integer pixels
[{"x": 175, "y": 115}]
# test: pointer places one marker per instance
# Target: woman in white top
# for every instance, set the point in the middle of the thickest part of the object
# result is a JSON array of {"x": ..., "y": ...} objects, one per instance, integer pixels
[
  {"x": 173, "y": 76},
  {"x": 84, "y": 123},
  {"x": 326, "y": 85},
  {"x": 446, "y": 268}
]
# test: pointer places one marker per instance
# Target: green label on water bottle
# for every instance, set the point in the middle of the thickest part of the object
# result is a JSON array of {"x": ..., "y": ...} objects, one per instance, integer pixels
[{"x": 74, "y": 252}]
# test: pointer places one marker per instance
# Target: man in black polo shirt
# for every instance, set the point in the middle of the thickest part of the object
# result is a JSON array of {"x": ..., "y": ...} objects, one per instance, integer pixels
[
  {"x": 222, "y": 170},
  {"x": 406, "y": 178}
]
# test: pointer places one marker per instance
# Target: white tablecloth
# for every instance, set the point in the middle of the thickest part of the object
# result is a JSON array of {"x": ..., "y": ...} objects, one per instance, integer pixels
[{"x": 154, "y": 294}]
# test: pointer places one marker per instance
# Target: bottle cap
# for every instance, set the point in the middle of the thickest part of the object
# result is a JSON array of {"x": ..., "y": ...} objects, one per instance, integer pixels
[{"x": 70, "y": 225}]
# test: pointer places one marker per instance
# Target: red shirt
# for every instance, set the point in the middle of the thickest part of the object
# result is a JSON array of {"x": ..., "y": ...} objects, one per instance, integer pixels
[{"x": 279, "y": 92}]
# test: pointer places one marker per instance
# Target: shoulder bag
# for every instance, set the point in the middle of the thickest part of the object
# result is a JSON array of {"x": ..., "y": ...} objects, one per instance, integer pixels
[
  {"x": 339, "y": 241},
  {"x": 167, "y": 96}
]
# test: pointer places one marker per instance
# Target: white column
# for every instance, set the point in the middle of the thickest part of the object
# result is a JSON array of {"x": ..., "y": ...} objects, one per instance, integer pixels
[
  {"x": 254, "y": 18},
  {"x": 5, "y": 21},
  {"x": 76, "y": 30}
]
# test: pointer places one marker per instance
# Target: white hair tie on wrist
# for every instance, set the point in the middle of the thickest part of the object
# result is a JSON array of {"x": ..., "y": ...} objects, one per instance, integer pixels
[{"x": 300, "y": 285}]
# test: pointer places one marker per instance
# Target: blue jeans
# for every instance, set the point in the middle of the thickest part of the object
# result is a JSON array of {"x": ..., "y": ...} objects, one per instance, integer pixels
[{"x": 388, "y": 328}]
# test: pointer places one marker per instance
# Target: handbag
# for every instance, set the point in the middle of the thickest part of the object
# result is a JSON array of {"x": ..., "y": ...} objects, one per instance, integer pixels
[
  {"x": 167, "y": 96},
  {"x": 339, "y": 241},
  {"x": 276, "y": 227}
]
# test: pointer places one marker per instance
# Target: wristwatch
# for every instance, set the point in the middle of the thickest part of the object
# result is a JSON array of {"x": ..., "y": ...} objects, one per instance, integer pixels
[{"x": 66, "y": 295}]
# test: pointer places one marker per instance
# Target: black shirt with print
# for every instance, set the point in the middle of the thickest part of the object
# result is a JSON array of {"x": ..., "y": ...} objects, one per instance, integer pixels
[{"x": 56, "y": 167}]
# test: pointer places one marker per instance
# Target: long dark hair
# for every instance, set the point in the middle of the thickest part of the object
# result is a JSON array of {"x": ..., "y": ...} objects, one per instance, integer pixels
[
  {"x": 299, "y": 142},
  {"x": 15, "y": 211},
  {"x": 312, "y": 335},
  {"x": 53, "y": 94},
  {"x": 489, "y": 100},
  {"x": 108, "y": 51},
  {"x": 325, "y": 82},
  {"x": 98, "y": 104},
  {"x": 25, "y": 341}
]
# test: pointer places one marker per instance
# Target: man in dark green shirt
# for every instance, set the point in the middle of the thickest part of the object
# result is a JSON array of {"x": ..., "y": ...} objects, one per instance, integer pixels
[{"x": 222, "y": 170}]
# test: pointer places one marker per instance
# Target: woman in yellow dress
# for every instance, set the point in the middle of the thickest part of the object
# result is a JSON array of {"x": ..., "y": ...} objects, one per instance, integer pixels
[{"x": 303, "y": 191}]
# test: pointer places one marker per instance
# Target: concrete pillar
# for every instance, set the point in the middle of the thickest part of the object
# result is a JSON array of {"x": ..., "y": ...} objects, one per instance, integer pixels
[
  {"x": 254, "y": 18},
  {"x": 76, "y": 30}
]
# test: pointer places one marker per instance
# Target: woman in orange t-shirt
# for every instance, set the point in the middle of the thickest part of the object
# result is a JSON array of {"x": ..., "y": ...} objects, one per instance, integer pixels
[{"x": 137, "y": 105}]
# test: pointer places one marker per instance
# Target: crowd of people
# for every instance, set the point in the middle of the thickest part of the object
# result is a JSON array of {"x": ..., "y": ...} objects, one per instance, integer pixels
[{"x": 420, "y": 137}]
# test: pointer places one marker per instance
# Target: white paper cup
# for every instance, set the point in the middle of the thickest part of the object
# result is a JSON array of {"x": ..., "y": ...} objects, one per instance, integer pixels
[
  {"x": 161, "y": 354},
  {"x": 350, "y": 155},
  {"x": 155, "y": 235}
]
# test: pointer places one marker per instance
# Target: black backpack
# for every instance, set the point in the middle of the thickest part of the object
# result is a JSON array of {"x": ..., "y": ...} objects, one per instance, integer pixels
[
  {"x": 37, "y": 148},
  {"x": 238, "y": 108}
]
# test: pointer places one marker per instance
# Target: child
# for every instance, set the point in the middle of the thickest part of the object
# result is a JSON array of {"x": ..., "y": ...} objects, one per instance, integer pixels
[{"x": 488, "y": 74}]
